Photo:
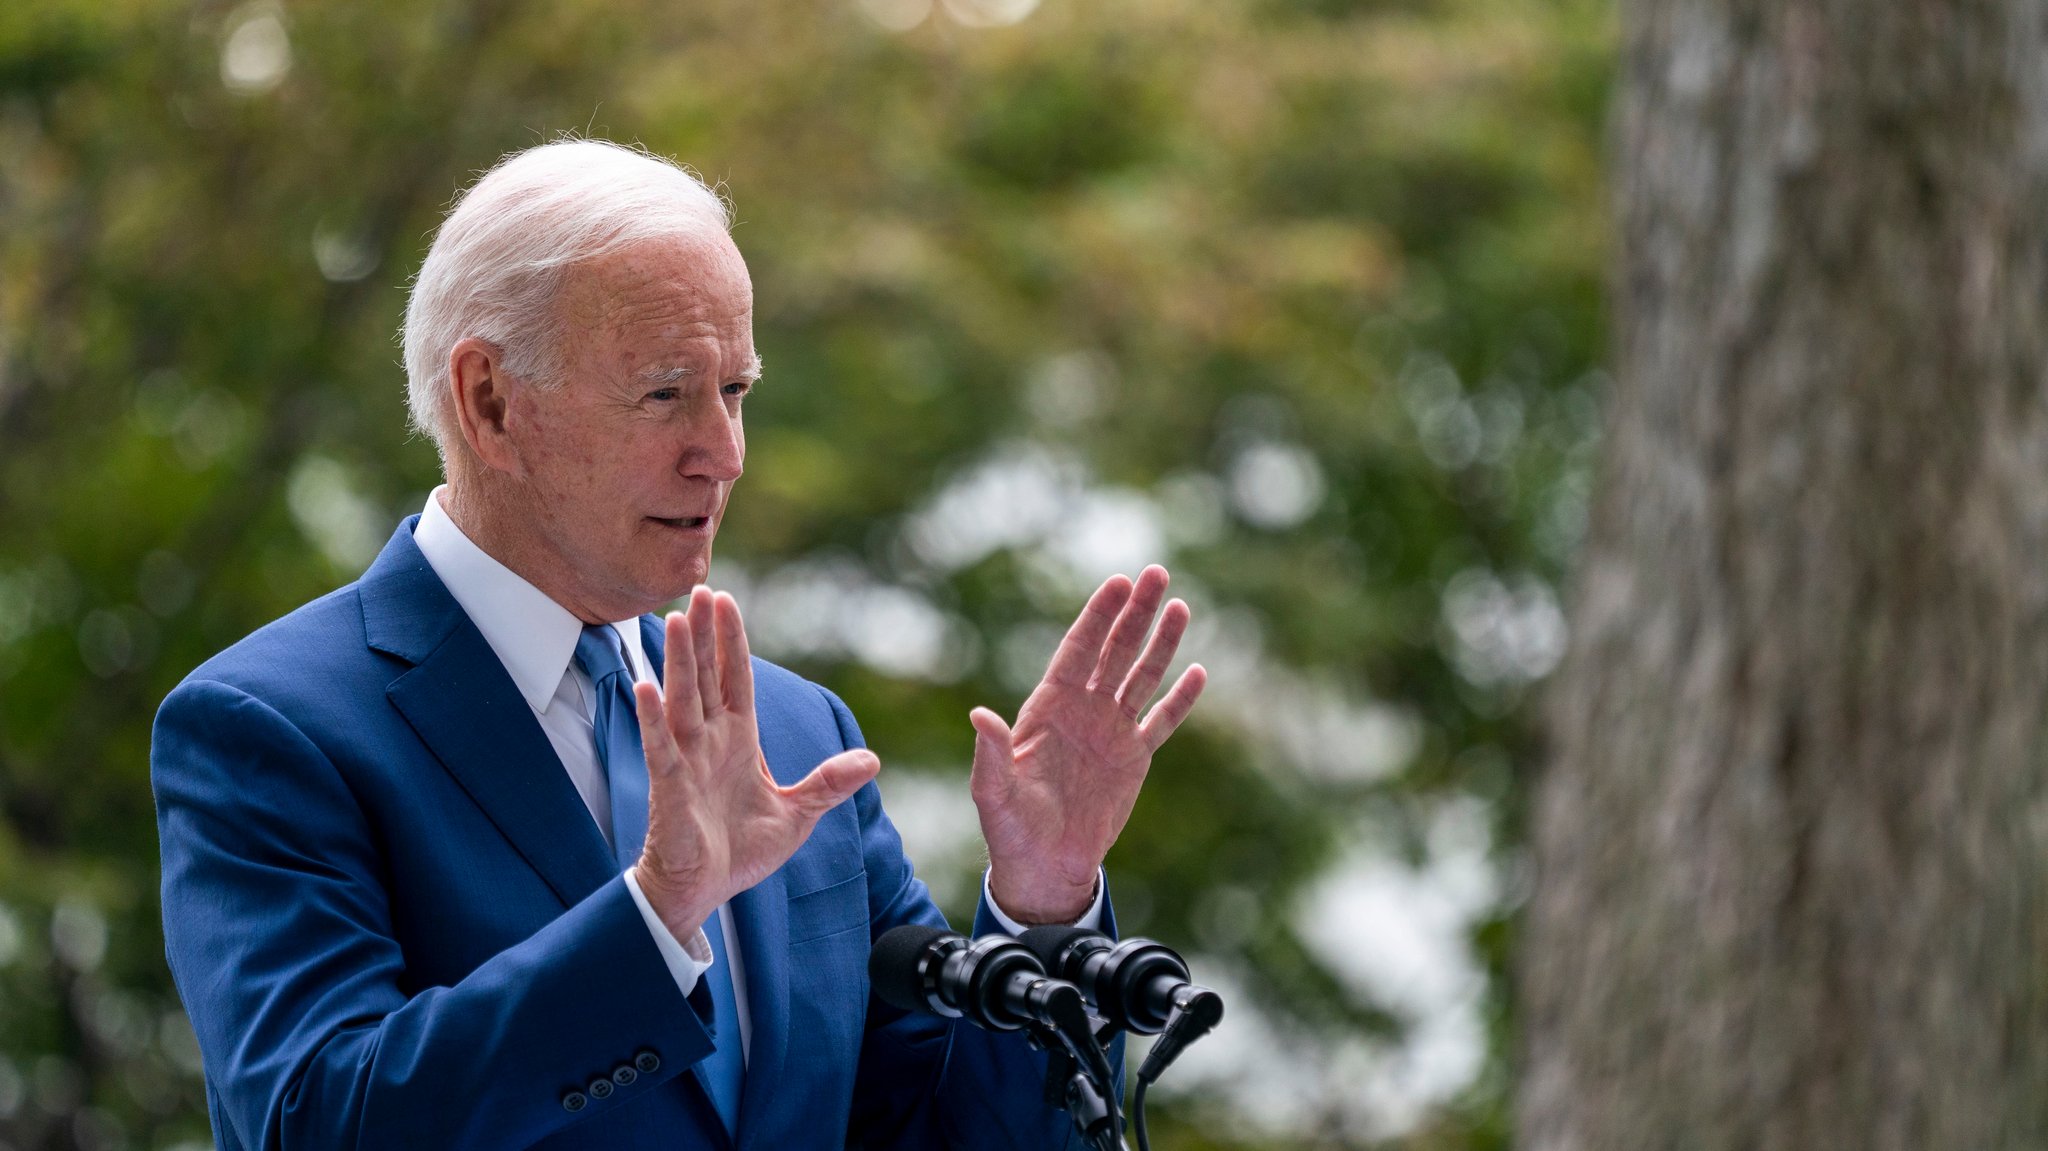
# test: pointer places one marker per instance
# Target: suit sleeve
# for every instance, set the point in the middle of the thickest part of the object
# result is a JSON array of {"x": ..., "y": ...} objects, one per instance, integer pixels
[
  {"x": 929, "y": 1082},
  {"x": 277, "y": 925}
]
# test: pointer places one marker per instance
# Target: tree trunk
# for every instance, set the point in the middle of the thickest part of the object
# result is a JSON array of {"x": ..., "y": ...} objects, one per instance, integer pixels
[{"x": 1791, "y": 845}]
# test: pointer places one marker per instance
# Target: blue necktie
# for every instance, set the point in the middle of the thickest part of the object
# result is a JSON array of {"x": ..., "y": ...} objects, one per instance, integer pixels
[
  {"x": 617, "y": 733},
  {"x": 724, "y": 1070}
]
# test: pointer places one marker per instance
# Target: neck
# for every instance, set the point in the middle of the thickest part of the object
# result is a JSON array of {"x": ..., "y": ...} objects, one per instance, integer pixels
[{"x": 502, "y": 525}]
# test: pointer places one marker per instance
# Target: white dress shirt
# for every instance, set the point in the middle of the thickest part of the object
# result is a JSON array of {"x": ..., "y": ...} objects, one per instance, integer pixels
[{"x": 535, "y": 638}]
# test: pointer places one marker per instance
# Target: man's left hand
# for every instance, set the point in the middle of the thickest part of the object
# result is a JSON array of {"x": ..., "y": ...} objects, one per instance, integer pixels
[{"x": 1055, "y": 790}]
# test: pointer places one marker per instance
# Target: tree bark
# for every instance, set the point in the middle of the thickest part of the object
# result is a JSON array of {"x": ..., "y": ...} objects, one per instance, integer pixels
[{"x": 1791, "y": 843}]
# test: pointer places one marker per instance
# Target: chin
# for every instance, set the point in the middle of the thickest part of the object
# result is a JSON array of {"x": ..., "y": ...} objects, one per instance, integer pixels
[
  {"x": 677, "y": 581},
  {"x": 662, "y": 558}
]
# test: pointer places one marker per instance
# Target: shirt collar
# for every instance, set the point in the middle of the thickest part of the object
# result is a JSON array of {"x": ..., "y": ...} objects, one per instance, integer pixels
[{"x": 533, "y": 636}]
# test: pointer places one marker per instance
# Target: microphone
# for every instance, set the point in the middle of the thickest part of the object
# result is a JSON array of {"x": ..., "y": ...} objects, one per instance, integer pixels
[
  {"x": 1138, "y": 985},
  {"x": 997, "y": 983},
  {"x": 993, "y": 982}
]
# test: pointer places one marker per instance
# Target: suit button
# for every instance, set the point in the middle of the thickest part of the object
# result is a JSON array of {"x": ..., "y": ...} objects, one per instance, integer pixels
[
  {"x": 623, "y": 1075},
  {"x": 574, "y": 1102},
  {"x": 600, "y": 1088},
  {"x": 648, "y": 1062}
]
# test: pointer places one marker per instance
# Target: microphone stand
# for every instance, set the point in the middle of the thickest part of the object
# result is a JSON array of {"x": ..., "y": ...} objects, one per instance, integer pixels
[
  {"x": 1070, "y": 1086},
  {"x": 1126, "y": 980}
]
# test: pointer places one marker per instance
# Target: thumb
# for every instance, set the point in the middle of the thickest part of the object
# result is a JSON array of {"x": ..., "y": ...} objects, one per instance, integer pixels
[
  {"x": 834, "y": 781},
  {"x": 993, "y": 748}
]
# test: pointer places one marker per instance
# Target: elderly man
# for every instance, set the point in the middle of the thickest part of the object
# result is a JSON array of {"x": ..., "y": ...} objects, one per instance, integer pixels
[{"x": 472, "y": 853}]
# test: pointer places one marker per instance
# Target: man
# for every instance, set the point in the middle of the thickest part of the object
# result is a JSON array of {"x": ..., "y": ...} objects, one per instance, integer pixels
[{"x": 473, "y": 854}]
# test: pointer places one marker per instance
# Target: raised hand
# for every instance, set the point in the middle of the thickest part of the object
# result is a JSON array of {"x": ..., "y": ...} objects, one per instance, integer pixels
[
  {"x": 1055, "y": 791},
  {"x": 717, "y": 822}
]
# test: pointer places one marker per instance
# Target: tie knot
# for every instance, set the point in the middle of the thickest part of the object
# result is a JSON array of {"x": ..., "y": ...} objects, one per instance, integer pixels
[{"x": 599, "y": 652}]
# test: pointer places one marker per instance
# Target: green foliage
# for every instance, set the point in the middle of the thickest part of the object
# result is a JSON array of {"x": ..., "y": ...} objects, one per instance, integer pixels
[{"x": 1314, "y": 285}]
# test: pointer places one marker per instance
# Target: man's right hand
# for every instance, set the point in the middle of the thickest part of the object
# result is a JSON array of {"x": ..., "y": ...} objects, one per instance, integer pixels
[{"x": 717, "y": 822}]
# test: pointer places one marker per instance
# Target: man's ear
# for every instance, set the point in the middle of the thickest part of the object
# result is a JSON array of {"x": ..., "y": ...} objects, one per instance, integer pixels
[{"x": 482, "y": 394}]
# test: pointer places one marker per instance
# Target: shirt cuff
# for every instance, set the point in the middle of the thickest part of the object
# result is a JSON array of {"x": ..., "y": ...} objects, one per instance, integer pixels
[
  {"x": 1090, "y": 919},
  {"x": 687, "y": 963}
]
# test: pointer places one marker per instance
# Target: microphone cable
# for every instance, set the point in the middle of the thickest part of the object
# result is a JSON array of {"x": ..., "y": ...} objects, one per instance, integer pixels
[
  {"x": 1196, "y": 1012},
  {"x": 1138, "y": 1115}
]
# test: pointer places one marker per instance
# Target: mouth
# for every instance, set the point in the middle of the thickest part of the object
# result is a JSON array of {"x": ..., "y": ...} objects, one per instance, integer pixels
[{"x": 693, "y": 524}]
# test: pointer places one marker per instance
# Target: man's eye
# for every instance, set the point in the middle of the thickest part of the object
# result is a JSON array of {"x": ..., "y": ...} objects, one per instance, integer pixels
[
  {"x": 738, "y": 388},
  {"x": 664, "y": 394}
]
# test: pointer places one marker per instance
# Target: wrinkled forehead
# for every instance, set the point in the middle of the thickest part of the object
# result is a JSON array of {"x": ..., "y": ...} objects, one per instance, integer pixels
[{"x": 662, "y": 287}]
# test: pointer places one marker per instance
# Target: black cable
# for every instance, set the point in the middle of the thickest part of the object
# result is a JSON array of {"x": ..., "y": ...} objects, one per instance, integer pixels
[
  {"x": 1138, "y": 1114},
  {"x": 1196, "y": 1012}
]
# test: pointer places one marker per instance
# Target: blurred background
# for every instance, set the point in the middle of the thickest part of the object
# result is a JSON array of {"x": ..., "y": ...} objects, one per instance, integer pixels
[{"x": 1303, "y": 298}]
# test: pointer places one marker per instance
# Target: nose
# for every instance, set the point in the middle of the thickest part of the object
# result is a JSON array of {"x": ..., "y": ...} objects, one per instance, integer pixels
[{"x": 714, "y": 445}]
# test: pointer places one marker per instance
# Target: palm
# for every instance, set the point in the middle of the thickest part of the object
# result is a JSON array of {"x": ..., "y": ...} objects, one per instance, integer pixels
[
  {"x": 717, "y": 822},
  {"x": 1055, "y": 790},
  {"x": 754, "y": 811}
]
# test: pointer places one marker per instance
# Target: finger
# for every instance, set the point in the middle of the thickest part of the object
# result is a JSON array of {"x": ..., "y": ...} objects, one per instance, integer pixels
[
  {"x": 655, "y": 741},
  {"x": 704, "y": 633},
  {"x": 1131, "y": 625},
  {"x": 1075, "y": 660},
  {"x": 994, "y": 748},
  {"x": 735, "y": 664},
  {"x": 679, "y": 679},
  {"x": 833, "y": 782},
  {"x": 1144, "y": 678},
  {"x": 1179, "y": 701}
]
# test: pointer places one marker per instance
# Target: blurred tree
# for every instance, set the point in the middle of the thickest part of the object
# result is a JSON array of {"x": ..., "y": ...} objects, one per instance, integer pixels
[
  {"x": 1792, "y": 876},
  {"x": 1301, "y": 297}
]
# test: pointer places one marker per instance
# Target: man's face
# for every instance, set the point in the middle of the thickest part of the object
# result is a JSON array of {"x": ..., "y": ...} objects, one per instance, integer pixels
[{"x": 629, "y": 463}]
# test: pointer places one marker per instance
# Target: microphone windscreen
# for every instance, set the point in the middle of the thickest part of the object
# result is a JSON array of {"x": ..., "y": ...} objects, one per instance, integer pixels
[
  {"x": 1048, "y": 942},
  {"x": 893, "y": 965}
]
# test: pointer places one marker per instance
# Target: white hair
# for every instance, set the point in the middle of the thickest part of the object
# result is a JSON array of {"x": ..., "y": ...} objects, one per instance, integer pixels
[{"x": 500, "y": 258}]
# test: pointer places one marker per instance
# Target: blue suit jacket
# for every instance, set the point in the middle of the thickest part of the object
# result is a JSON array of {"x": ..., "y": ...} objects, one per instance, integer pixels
[{"x": 395, "y": 925}]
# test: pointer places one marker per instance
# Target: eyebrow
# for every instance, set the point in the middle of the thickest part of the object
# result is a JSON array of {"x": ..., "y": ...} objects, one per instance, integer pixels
[
  {"x": 666, "y": 375},
  {"x": 672, "y": 375}
]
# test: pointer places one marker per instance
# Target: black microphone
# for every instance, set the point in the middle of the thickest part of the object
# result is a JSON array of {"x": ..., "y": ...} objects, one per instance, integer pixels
[
  {"x": 994, "y": 981},
  {"x": 1138, "y": 985},
  {"x": 999, "y": 984}
]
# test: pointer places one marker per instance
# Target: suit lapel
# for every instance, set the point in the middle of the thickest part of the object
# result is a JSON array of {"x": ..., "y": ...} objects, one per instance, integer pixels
[
  {"x": 761, "y": 919},
  {"x": 459, "y": 699}
]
